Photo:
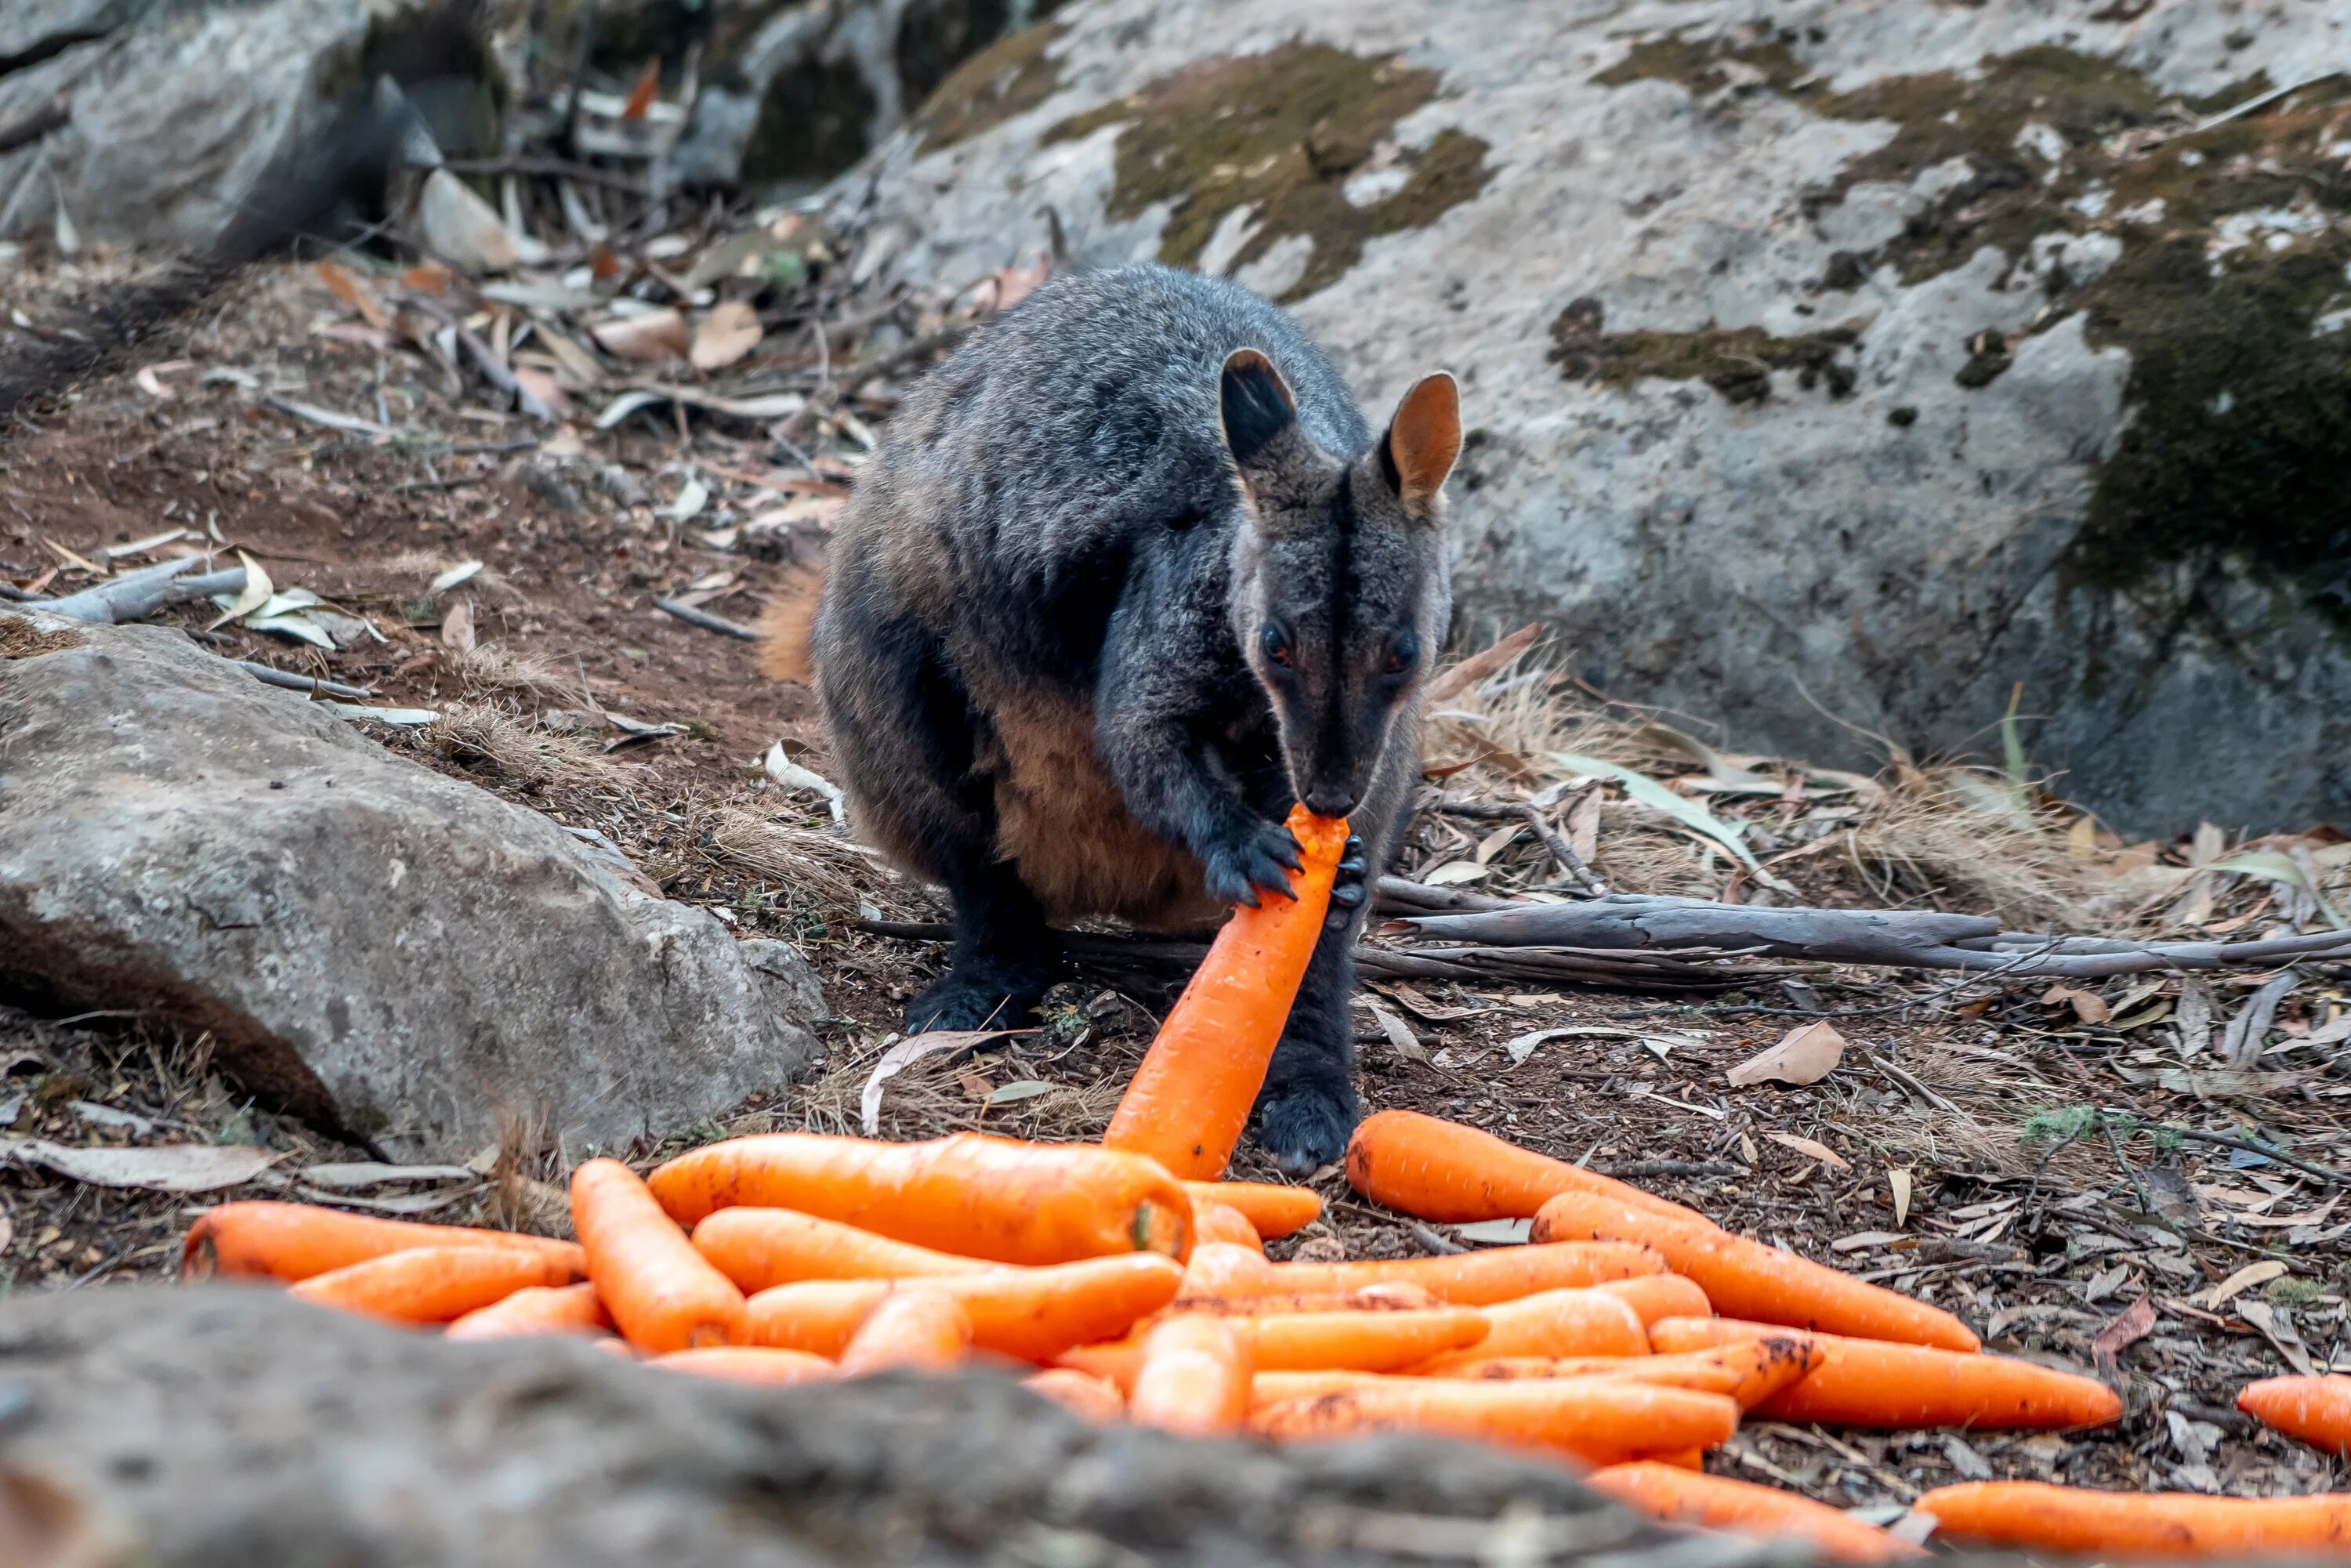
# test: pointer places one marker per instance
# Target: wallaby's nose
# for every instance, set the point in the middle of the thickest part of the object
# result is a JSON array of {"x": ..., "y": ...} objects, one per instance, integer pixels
[{"x": 1329, "y": 800}]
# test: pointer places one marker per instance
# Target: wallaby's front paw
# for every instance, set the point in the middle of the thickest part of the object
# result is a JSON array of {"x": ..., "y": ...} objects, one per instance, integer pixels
[
  {"x": 1260, "y": 855},
  {"x": 1351, "y": 886},
  {"x": 1304, "y": 1123}
]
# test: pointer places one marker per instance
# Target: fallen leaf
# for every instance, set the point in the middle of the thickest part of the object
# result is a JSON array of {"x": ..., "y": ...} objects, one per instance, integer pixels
[
  {"x": 2244, "y": 1280},
  {"x": 7, "y": 1233},
  {"x": 428, "y": 278},
  {"x": 1520, "y": 1047},
  {"x": 731, "y": 330},
  {"x": 354, "y": 1174},
  {"x": 398, "y": 1203},
  {"x": 1805, "y": 1054},
  {"x": 545, "y": 388},
  {"x": 1026, "y": 1089},
  {"x": 787, "y": 774},
  {"x": 2278, "y": 1331},
  {"x": 2088, "y": 1006},
  {"x": 1406, "y": 1043},
  {"x": 458, "y": 626},
  {"x": 461, "y": 228},
  {"x": 348, "y": 289},
  {"x": 1863, "y": 1239},
  {"x": 1496, "y": 1232},
  {"x": 642, "y": 95},
  {"x": 908, "y": 1051},
  {"x": 1649, "y": 792},
  {"x": 1453, "y": 873},
  {"x": 975, "y": 1085},
  {"x": 691, "y": 499},
  {"x": 1748, "y": 1151},
  {"x": 174, "y": 1167},
  {"x": 2125, "y": 1329},
  {"x": 652, "y": 338},
  {"x": 461, "y": 572},
  {"x": 2287, "y": 1221},
  {"x": 258, "y": 591},
  {"x": 1811, "y": 1150},
  {"x": 1898, "y": 1181},
  {"x": 1486, "y": 661}
]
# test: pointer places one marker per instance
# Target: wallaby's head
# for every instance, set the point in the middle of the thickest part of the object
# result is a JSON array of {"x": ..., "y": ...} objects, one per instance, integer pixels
[{"x": 1340, "y": 593}]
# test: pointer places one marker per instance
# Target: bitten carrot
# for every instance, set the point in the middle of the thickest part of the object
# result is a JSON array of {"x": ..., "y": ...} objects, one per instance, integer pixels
[
  {"x": 536, "y": 1310},
  {"x": 1749, "y": 1372},
  {"x": 1599, "y": 1421},
  {"x": 1554, "y": 1322},
  {"x": 2317, "y": 1410},
  {"x": 1876, "y": 1383},
  {"x": 432, "y": 1284},
  {"x": 1031, "y": 1314},
  {"x": 911, "y": 1326},
  {"x": 1191, "y": 1098},
  {"x": 664, "y": 1294},
  {"x": 1480, "y": 1278},
  {"x": 1748, "y": 1280},
  {"x": 1194, "y": 1377},
  {"x": 1218, "y": 1269},
  {"x": 757, "y": 1248},
  {"x": 1434, "y": 1169},
  {"x": 2039, "y": 1516},
  {"x": 972, "y": 1196},
  {"x": 1275, "y": 1210},
  {"x": 1654, "y": 1296},
  {"x": 293, "y": 1241},
  {"x": 1213, "y": 1221},
  {"x": 749, "y": 1363},
  {"x": 1671, "y": 1495}
]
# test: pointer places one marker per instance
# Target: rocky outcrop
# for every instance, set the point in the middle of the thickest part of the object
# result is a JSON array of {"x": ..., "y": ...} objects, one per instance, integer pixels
[
  {"x": 386, "y": 951},
  {"x": 1832, "y": 368}
]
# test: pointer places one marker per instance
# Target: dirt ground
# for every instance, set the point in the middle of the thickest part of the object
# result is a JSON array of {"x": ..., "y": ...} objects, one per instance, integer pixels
[{"x": 2005, "y": 1150}]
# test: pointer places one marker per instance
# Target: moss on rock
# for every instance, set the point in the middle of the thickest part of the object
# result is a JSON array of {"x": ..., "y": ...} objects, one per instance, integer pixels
[
  {"x": 1010, "y": 77},
  {"x": 1737, "y": 362}
]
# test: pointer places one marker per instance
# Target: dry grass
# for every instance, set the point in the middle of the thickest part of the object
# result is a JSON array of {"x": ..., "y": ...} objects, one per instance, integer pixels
[
  {"x": 816, "y": 871},
  {"x": 489, "y": 670},
  {"x": 938, "y": 1095},
  {"x": 1965, "y": 835},
  {"x": 481, "y": 735}
]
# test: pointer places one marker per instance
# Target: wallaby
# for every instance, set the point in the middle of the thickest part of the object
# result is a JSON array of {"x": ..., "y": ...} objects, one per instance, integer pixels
[{"x": 1128, "y": 575}]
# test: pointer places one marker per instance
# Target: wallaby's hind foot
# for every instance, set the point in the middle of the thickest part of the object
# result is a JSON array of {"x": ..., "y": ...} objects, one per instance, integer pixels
[
  {"x": 980, "y": 994},
  {"x": 1304, "y": 1122}
]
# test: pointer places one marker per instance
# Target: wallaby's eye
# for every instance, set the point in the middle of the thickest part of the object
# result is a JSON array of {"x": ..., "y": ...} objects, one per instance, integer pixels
[
  {"x": 1276, "y": 645},
  {"x": 1403, "y": 652}
]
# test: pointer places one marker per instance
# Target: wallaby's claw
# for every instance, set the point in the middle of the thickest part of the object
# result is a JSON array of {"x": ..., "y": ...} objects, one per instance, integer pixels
[
  {"x": 1350, "y": 887},
  {"x": 1260, "y": 860}
]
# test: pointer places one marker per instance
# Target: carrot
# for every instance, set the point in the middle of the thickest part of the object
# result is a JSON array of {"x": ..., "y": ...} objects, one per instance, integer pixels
[
  {"x": 1687, "y": 1460},
  {"x": 757, "y": 1248},
  {"x": 1434, "y": 1169},
  {"x": 976, "y": 1196},
  {"x": 1749, "y": 1372},
  {"x": 748, "y": 1364},
  {"x": 910, "y": 1326},
  {"x": 432, "y": 1284},
  {"x": 1874, "y": 1382},
  {"x": 1554, "y": 1322},
  {"x": 1031, "y": 1314},
  {"x": 536, "y": 1310},
  {"x": 1748, "y": 1280},
  {"x": 2039, "y": 1516},
  {"x": 1395, "y": 1297},
  {"x": 1275, "y": 1210},
  {"x": 1305, "y": 1341},
  {"x": 2316, "y": 1409},
  {"x": 1087, "y": 1398},
  {"x": 1191, "y": 1097},
  {"x": 664, "y": 1295},
  {"x": 1478, "y": 1278},
  {"x": 1674, "y": 1496},
  {"x": 1213, "y": 1221},
  {"x": 1222, "y": 1268},
  {"x": 1194, "y": 1377},
  {"x": 1654, "y": 1296},
  {"x": 1599, "y": 1421},
  {"x": 293, "y": 1241}
]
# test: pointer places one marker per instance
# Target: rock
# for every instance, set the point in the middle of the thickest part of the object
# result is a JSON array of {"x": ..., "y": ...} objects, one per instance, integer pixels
[
  {"x": 374, "y": 946},
  {"x": 224, "y": 1426},
  {"x": 1874, "y": 360}
]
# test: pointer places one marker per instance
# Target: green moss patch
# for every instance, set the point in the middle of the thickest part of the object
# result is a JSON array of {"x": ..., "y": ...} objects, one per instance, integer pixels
[
  {"x": 1283, "y": 133},
  {"x": 1007, "y": 79},
  {"x": 1737, "y": 362}
]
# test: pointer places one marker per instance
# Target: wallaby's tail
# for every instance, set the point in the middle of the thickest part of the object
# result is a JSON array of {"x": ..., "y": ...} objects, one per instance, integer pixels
[{"x": 787, "y": 626}]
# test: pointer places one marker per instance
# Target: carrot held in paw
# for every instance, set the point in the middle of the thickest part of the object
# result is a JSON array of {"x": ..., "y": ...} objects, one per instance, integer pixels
[
  {"x": 293, "y": 1241},
  {"x": 1480, "y": 1278},
  {"x": 757, "y": 1248},
  {"x": 664, "y": 1294},
  {"x": 432, "y": 1284},
  {"x": 536, "y": 1310},
  {"x": 1273, "y": 1209},
  {"x": 1876, "y": 1383},
  {"x": 1087, "y": 1397},
  {"x": 1599, "y": 1421},
  {"x": 1434, "y": 1169},
  {"x": 1194, "y": 1378},
  {"x": 1031, "y": 1314},
  {"x": 1671, "y": 1495},
  {"x": 969, "y": 1195},
  {"x": 1191, "y": 1098},
  {"x": 749, "y": 1363},
  {"x": 1213, "y": 1221},
  {"x": 1749, "y": 1372},
  {"x": 1554, "y": 1322},
  {"x": 2041, "y": 1517},
  {"x": 2317, "y": 1410},
  {"x": 1748, "y": 1280},
  {"x": 911, "y": 1327}
]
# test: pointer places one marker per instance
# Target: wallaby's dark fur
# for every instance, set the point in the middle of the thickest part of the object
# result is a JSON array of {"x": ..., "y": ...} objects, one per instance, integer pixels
[{"x": 1130, "y": 575}]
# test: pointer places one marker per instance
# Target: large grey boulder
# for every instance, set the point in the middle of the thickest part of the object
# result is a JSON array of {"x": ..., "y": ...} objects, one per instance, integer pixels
[
  {"x": 374, "y": 946},
  {"x": 1851, "y": 358}
]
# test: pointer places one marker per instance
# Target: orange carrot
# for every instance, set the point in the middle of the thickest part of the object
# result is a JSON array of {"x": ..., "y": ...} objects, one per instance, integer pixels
[
  {"x": 748, "y": 1364},
  {"x": 1674, "y": 1496},
  {"x": 1749, "y": 1372},
  {"x": 2041, "y": 1517},
  {"x": 1087, "y": 1398},
  {"x": 1273, "y": 1209},
  {"x": 1654, "y": 1296},
  {"x": 1191, "y": 1097},
  {"x": 1434, "y": 1169},
  {"x": 2316, "y": 1409},
  {"x": 1305, "y": 1341},
  {"x": 1554, "y": 1322},
  {"x": 1599, "y": 1421},
  {"x": 295, "y": 1241},
  {"x": 1194, "y": 1377},
  {"x": 432, "y": 1284},
  {"x": 536, "y": 1310},
  {"x": 1218, "y": 1268},
  {"x": 1393, "y": 1297},
  {"x": 757, "y": 1248},
  {"x": 1031, "y": 1314},
  {"x": 911, "y": 1326},
  {"x": 1687, "y": 1460},
  {"x": 976, "y": 1196},
  {"x": 1478, "y": 1278},
  {"x": 1746, "y": 1278},
  {"x": 1213, "y": 1221},
  {"x": 1875, "y": 1382},
  {"x": 664, "y": 1295}
]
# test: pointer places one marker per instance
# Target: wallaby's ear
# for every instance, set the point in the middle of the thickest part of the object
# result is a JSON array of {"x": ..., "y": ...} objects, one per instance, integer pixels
[
  {"x": 1254, "y": 404},
  {"x": 1423, "y": 440}
]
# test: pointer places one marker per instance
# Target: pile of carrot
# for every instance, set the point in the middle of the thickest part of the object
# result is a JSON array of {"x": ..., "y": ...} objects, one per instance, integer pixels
[{"x": 1127, "y": 1281}]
